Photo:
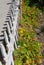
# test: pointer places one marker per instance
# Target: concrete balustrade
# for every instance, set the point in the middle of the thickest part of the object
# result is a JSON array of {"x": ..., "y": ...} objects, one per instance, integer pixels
[{"x": 9, "y": 34}]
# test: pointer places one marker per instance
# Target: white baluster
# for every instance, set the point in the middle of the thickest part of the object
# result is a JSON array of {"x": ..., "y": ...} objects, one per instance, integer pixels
[
  {"x": 12, "y": 60},
  {"x": 3, "y": 52},
  {"x": 8, "y": 28},
  {"x": 6, "y": 40},
  {"x": 6, "y": 37},
  {"x": 12, "y": 39},
  {"x": 17, "y": 2},
  {"x": 15, "y": 9},
  {"x": 10, "y": 23}
]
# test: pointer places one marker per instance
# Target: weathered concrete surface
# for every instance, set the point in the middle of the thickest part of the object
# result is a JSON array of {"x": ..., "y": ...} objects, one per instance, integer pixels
[{"x": 4, "y": 8}]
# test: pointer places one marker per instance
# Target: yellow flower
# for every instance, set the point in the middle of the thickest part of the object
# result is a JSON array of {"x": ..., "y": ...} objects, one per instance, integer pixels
[{"x": 21, "y": 30}]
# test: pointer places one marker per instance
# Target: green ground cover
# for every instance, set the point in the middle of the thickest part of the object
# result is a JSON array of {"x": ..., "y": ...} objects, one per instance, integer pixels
[{"x": 28, "y": 52}]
